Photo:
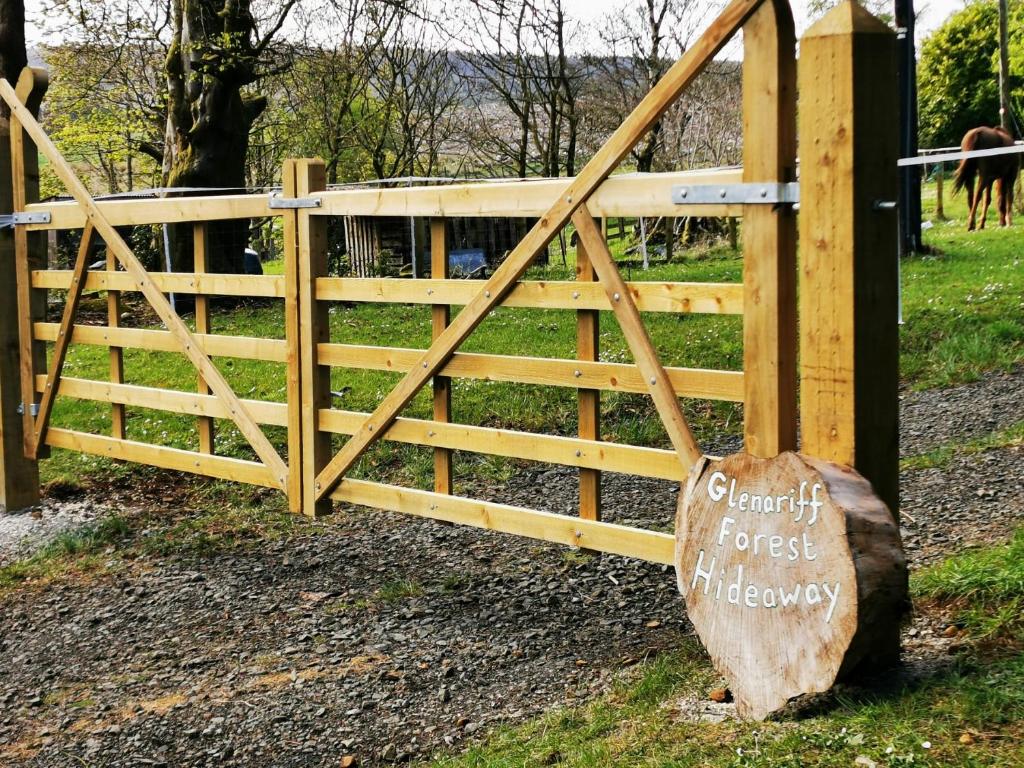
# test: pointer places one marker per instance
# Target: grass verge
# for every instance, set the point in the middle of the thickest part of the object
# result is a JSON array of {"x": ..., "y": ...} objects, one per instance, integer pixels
[{"x": 969, "y": 712}]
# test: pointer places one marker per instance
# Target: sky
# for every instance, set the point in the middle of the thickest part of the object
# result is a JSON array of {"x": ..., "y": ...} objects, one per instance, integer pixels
[{"x": 930, "y": 14}]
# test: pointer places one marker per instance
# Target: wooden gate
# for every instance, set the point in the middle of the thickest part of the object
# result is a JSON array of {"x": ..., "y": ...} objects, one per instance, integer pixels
[{"x": 841, "y": 403}]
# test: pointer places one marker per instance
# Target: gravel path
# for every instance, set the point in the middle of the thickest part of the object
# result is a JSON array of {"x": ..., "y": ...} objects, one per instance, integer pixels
[
  {"x": 29, "y": 530},
  {"x": 385, "y": 638}
]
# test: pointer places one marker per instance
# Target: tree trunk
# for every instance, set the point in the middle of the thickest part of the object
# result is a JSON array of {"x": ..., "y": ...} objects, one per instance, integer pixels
[
  {"x": 13, "y": 57},
  {"x": 208, "y": 119}
]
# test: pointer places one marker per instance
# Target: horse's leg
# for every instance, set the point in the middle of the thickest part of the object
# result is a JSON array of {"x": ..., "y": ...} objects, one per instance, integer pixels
[
  {"x": 972, "y": 201},
  {"x": 986, "y": 204},
  {"x": 1008, "y": 184},
  {"x": 1001, "y": 200}
]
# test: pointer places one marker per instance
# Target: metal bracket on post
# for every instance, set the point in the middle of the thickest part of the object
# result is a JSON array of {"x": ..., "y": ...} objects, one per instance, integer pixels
[
  {"x": 750, "y": 193},
  {"x": 33, "y": 409},
  {"x": 276, "y": 201},
  {"x": 20, "y": 217}
]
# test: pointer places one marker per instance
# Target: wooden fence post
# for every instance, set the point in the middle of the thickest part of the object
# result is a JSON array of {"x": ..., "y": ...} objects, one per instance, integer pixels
[
  {"x": 118, "y": 414},
  {"x": 849, "y": 338},
  {"x": 200, "y": 243},
  {"x": 310, "y": 177},
  {"x": 19, "y": 476},
  {"x": 769, "y": 235},
  {"x": 440, "y": 316},
  {"x": 588, "y": 335}
]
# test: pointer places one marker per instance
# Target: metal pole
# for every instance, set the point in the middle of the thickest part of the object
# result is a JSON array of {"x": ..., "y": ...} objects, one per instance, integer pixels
[
  {"x": 1004, "y": 69},
  {"x": 167, "y": 263},
  {"x": 910, "y": 177}
]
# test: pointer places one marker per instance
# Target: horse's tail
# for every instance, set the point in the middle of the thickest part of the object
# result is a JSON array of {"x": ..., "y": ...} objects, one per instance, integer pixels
[{"x": 968, "y": 166}]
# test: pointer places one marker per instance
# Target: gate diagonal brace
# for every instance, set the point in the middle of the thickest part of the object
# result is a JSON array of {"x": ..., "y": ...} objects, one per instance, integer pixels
[{"x": 746, "y": 193}]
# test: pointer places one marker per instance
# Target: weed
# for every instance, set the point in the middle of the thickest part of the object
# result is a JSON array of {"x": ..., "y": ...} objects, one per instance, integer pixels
[{"x": 401, "y": 589}]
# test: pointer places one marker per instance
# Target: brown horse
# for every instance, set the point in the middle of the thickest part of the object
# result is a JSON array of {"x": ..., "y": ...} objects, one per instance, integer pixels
[{"x": 1001, "y": 168}]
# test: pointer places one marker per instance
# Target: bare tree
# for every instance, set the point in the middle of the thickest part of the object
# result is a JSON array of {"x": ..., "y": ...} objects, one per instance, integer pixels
[
  {"x": 414, "y": 93},
  {"x": 328, "y": 89},
  {"x": 501, "y": 84},
  {"x": 525, "y": 85},
  {"x": 642, "y": 42}
]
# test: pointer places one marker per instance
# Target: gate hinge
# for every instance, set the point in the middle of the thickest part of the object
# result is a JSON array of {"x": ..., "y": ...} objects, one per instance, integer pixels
[
  {"x": 276, "y": 201},
  {"x": 747, "y": 193},
  {"x": 21, "y": 217},
  {"x": 33, "y": 409}
]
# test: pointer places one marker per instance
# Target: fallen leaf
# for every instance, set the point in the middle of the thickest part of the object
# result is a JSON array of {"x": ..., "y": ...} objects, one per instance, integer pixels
[
  {"x": 966, "y": 739},
  {"x": 720, "y": 695},
  {"x": 348, "y": 761},
  {"x": 654, "y": 623}
]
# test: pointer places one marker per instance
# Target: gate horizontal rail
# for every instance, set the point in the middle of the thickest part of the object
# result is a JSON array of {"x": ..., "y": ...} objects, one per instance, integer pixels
[
  {"x": 621, "y": 196},
  {"x": 576, "y": 374},
  {"x": 653, "y": 546}
]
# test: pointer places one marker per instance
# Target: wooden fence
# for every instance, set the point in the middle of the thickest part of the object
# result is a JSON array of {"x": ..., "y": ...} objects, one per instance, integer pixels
[{"x": 850, "y": 243}]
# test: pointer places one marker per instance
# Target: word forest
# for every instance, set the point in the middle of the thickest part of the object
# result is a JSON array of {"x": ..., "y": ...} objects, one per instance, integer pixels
[{"x": 718, "y": 575}]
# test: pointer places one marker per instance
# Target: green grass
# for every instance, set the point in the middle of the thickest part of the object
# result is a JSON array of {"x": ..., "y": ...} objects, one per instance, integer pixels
[
  {"x": 78, "y": 550},
  {"x": 978, "y": 698},
  {"x": 939, "y": 458},
  {"x": 963, "y": 303},
  {"x": 694, "y": 341},
  {"x": 639, "y": 724},
  {"x": 192, "y": 520},
  {"x": 985, "y": 586}
]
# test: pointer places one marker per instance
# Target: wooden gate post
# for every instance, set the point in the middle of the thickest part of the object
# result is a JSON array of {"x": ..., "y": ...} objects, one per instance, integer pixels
[
  {"x": 19, "y": 476},
  {"x": 769, "y": 235},
  {"x": 314, "y": 329},
  {"x": 849, "y": 278}
]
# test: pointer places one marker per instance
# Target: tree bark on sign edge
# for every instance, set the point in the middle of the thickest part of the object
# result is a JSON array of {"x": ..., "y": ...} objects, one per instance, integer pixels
[
  {"x": 882, "y": 578},
  {"x": 876, "y": 557}
]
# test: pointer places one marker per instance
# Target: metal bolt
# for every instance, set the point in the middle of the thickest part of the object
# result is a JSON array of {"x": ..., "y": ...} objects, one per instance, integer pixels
[
  {"x": 578, "y": 454},
  {"x": 487, "y": 294},
  {"x": 653, "y": 380},
  {"x": 721, "y": 193},
  {"x": 424, "y": 363},
  {"x": 577, "y": 373},
  {"x": 575, "y": 294},
  {"x": 615, "y": 296},
  {"x": 431, "y": 433},
  {"x": 430, "y": 291},
  {"x": 568, "y": 198},
  {"x": 369, "y": 428},
  {"x": 764, "y": 192},
  {"x": 684, "y": 192}
]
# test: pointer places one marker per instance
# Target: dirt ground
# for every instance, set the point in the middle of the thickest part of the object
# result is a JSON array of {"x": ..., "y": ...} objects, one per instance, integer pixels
[{"x": 388, "y": 638}]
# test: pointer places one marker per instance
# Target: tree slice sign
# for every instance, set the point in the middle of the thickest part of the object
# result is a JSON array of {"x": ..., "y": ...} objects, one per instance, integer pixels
[{"x": 792, "y": 572}]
